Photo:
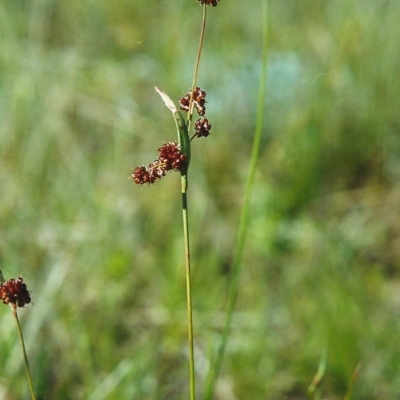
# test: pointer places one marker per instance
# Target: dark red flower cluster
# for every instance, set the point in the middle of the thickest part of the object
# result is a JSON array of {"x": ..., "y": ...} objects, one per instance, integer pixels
[
  {"x": 199, "y": 101},
  {"x": 169, "y": 159},
  {"x": 202, "y": 126},
  {"x": 212, "y": 3},
  {"x": 15, "y": 293}
]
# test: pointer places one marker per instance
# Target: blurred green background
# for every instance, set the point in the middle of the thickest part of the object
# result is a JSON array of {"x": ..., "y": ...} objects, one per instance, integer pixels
[{"x": 104, "y": 258}]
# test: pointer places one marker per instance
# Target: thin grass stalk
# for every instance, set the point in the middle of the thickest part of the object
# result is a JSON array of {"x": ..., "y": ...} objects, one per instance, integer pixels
[
  {"x": 244, "y": 217},
  {"x": 353, "y": 378},
  {"x": 192, "y": 381},
  {"x": 314, "y": 391},
  {"x": 196, "y": 67},
  {"x": 21, "y": 338},
  {"x": 142, "y": 175},
  {"x": 185, "y": 215}
]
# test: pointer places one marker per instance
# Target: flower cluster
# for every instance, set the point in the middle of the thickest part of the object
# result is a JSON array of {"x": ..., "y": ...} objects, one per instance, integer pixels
[
  {"x": 169, "y": 159},
  {"x": 202, "y": 126},
  {"x": 212, "y": 3},
  {"x": 199, "y": 101},
  {"x": 15, "y": 293}
]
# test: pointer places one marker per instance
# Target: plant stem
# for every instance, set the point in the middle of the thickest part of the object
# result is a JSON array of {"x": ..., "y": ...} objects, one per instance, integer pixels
[
  {"x": 196, "y": 67},
  {"x": 314, "y": 388},
  {"x": 244, "y": 217},
  {"x": 188, "y": 285},
  {"x": 21, "y": 337},
  {"x": 353, "y": 379},
  {"x": 184, "y": 182}
]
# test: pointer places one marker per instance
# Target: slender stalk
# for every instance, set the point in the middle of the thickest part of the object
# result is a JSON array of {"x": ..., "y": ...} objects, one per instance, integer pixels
[
  {"x": 314, "y": 388},
  {"x": 184, "y": 182},
  {"x": 21, "y": 337},
  {"x": 196, "y": 67},
  {"x": 188, "y": 285},
  {"x": 353, "y": 379},
  {"x": 184, "y": 144},
  {"x": 244, "y": 217}
]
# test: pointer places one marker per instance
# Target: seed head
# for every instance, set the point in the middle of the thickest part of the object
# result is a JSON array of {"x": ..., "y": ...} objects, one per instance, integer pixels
[
  {"x": 169, "y": 159},
  {"x": 170, "y": 154},
  {"x": 199, "y": 101},
  {"x": 212, "y": 3},
  {"x": 15, "y": 293},
  {"x": 202, "y": 127}
]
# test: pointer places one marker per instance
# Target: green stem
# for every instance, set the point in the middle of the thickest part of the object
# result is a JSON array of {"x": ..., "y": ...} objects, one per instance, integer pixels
[
  {"x": 188, "y": 285},
  {"x": 196, "y": 67},
  {"x": 314, "y": 390},
  {"x": 244, "y": 217},
  {"x": 21, "y": 337},
  {"x": 353, "y": 379}
]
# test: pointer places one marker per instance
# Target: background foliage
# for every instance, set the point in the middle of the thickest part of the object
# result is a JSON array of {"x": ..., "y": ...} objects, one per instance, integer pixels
[{"x": 103, "y": 257}]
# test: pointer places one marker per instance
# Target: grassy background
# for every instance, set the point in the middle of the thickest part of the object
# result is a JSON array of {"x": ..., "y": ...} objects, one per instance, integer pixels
[{"x": 103, "y": 257}]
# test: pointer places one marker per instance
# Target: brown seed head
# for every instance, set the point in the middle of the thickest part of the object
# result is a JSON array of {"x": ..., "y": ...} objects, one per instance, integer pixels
[
  {"x": 212, "y": 3},
  {"x": 199, "y": 101},
  {"x": 15, "y": 293},
  {"x": 169, "y": 159},
  {"x": 202, "y": 127}
]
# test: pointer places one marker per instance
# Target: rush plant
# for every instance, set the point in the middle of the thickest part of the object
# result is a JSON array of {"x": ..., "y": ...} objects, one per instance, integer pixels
[{"x": 175, "y": 156}]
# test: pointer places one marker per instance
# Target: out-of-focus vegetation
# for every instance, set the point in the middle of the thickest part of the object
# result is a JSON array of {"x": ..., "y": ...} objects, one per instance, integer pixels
[{"x": 104, "y": 258}]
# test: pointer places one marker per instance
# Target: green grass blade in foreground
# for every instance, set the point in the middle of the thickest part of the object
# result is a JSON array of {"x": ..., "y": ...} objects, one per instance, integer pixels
[
  {"x": 353, "y": 378},
  {"x": 313, "y": 391},
  {"x": 244, "y": 217}
]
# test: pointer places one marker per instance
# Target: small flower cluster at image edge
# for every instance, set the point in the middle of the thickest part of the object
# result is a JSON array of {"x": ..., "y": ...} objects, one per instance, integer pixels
[
  {"x": 15, "y": 293},
  {"x": 212, "y": 3},
  {"x": 169, "y": 156}
]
